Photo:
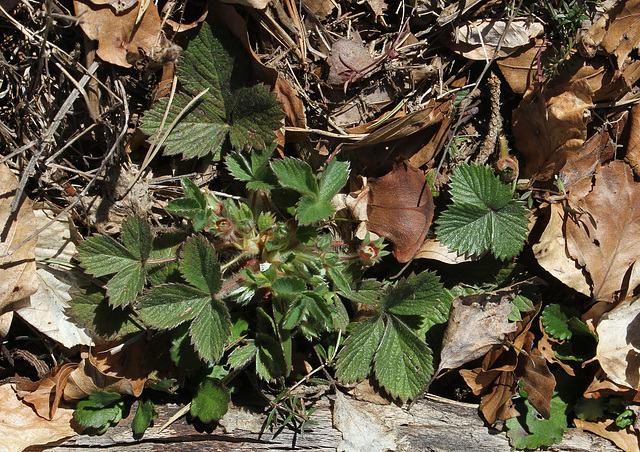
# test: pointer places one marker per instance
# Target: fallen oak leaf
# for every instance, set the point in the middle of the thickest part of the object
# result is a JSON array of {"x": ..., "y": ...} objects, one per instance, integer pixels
[
  {"x": 400, "y": 209},
  {"x": 603, "y": 243}
]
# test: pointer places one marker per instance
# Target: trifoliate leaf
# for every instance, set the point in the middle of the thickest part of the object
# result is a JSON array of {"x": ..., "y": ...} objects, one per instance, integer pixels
[
  {"x": 483, "y": 216},
  {"x": 247, "y": 116},
  {"x": 253, "y": 169},
  {"x": 355, "y": 359},
  {"x": 531, "y": 431},
  {"x": 191, "y": 191},
  {"x": 417, "y": 295},
  {"x": 101, "y": 255},
  {"x": 403, "y": 363},
  {"x": 333, "y": 179},
  {"x": 145, "y": 414},
  {"x": 296, "y": 174},
  {"x": 136, "y": 236},
  {"x": 289, "y": 285},
  {"x": 211, "y": 401},
  {"x": 125, "y": 285},
  {"x": 308, "y": 307},
  {"x": 210, "y": 330},
  {"x": 168, "y": 306},
  {"x": 200, "y": 266}
]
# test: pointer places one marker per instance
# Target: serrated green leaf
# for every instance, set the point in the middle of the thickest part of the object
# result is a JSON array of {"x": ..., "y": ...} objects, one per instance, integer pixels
[
  {"x": 520, "y": 304},
  {"x": 556, "y": 322},
  {"x": 91, "y": 310},
  {"x": 296, "y": 174},
  {"x": 310, "y": 210},
  {"x": 240, "y": 356},
  {"x": 183, "y": 354},
  {"x": 210, "y": 330},
  {"x": 472, "y": 230},
  {"x": 308, "y": 306},
  {"x": 214, "y": 60},
  {"x": 145, "y": 414},
  {"x": 339, "y": 280},
  {"x": 367, "y": 291},
  {"x": 417, "y": 295},
  {"x": 123, "y": 288},
  {"x": 101, "y": 255},
  {"x": 289, "y": 285},
  {"x": 89, "y": 416},
  {"x": 192, "y": 191},
  {"x": 101, "y": 399},
  {"x": 479, "y": 186},
  {"x": 531, "y": 431},
  {"x": 483, "y": 215},
  {"x": 254, "y": 170},
  {"x": 270, "y": 364},
  {"x": 333, "y": 179},
  {"x": 168, "y": 306},
  {"x": 200, "y": 266},
  {"x": 211, "y": 401},
  {"x": 136, "y": 236},
  {"x": 403, "y": 362},
  {"x": 165, "y": 249},
  {"x": 185, "y": 207},
  {"x": 355, "y": 359}
]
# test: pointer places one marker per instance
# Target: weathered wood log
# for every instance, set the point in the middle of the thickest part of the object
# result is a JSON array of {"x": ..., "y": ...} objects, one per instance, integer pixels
[{"x": 433, "y": 424}]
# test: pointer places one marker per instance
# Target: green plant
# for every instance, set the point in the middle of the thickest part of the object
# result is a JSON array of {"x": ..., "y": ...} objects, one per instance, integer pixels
[
  {"x": 100, "y": 411},
  {"x": 214, "y": 65},
  {"x": 484, "y": 216}
]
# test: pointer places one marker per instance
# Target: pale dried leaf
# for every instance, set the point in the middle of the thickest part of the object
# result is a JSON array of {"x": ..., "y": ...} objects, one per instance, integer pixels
[
  {"x": 478, "y": 40},
  {"x": 5, "y": 323},
  {"x": 113, "y": 31},
  {"x": 21, "y": 427},
  {"x": 633, "y": 148},
  {"x": 18, "y": 269},
  {"x": 618, "y": 33},
  {"x": 45, "y": 310},
  {"x": 477, "y": 324},
  {"x": 618, "y": 350},
  {"x": 626, "y": 439},
  {"x": 605, "y": 239},
  {"x": 434, "y": 250},
  {"x": 550, "y": 125},
  {"x": 551, "y": 253},
  {"x": 361, "y": 430}
]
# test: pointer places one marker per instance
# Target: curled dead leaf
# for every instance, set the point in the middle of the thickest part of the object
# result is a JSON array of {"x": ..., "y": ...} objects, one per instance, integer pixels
[
  {"x": 549, "y": 124},
  {"x": 400, "y": 209},
  {"x": 45, "y": 395}
]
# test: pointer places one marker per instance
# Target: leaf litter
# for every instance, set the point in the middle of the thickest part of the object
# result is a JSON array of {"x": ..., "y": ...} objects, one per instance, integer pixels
[{"x": 326, "y": 83}]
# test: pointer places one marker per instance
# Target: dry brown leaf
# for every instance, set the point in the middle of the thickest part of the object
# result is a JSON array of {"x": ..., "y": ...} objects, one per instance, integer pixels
[
  {"x": 626, "y": 439},
  {"x": 292, "y": 105},
  {"x": 478, "y": 40},
  {"x": 18, "y": 269},
  {"x": 349, "y": 61},
  {"x": 601, "y": 386},
  {"x": 618, "y": 33},
  {"x": 122, "y": 372},
  {"x": 118, "y": 5},
  {"x": 45, "y": 395},
  {"x": 113, "y": 31},
  {"x": 320, "y": 8},
  {"x": 400, "y": 209},
  {"x": 618, "y": 350},
  {"x": 434, "y": 250},
  {"x": 549, "y": 124},
  {"x": 633, "y": 148},
  {"x": 537, "y": 380},
  {"x": 477, "y": 324},
  {"x": 21, "y": 427},
  {"x": 552, "y": 255},
  {"x": 605, "y": 238}
]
